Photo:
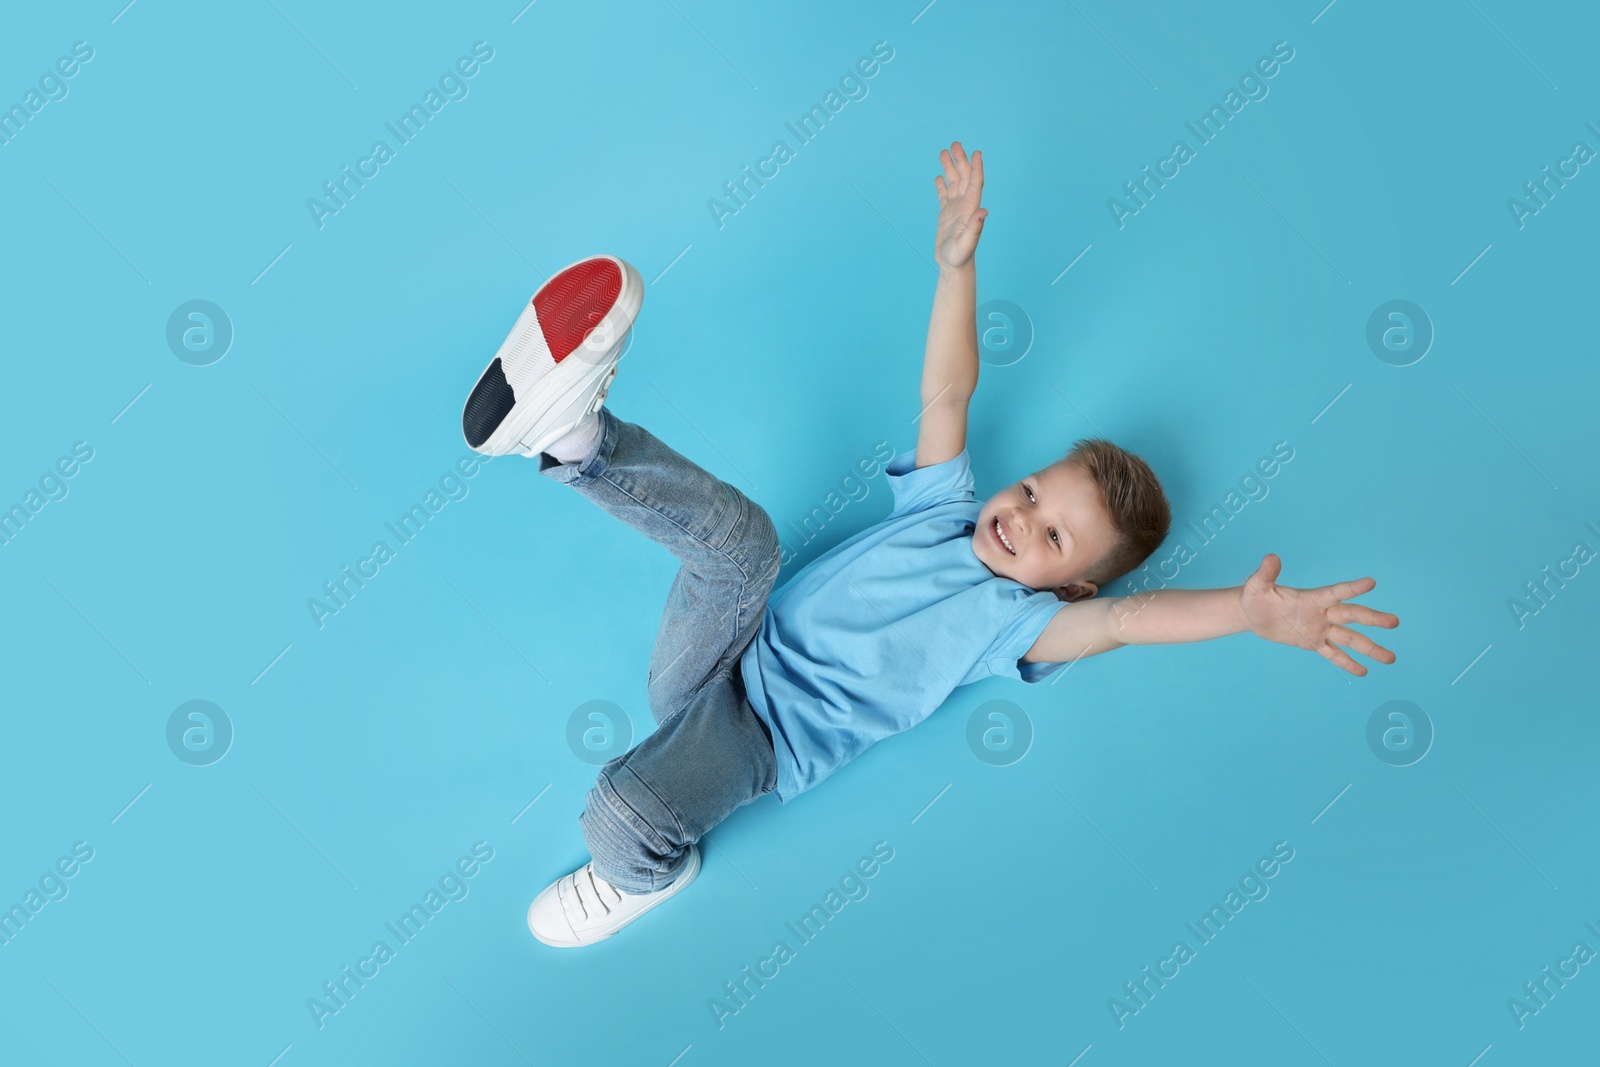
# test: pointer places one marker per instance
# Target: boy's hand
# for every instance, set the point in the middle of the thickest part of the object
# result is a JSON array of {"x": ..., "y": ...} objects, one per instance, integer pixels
[
  {"x": 960, "y": 217},
  {"x": 1313, "y": 618}
]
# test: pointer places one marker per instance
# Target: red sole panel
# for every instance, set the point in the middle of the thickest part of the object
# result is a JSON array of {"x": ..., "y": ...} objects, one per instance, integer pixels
[{"x": 574, "y": 301}]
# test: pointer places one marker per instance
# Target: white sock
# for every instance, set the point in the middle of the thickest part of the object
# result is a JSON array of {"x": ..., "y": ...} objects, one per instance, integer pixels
[{"x": 576, "y": 442}]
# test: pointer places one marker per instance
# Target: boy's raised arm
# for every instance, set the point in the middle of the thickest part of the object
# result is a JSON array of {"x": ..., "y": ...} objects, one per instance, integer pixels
[
  {"x": 950, "y": 363},
  {"x": 1316, "y": 620}
]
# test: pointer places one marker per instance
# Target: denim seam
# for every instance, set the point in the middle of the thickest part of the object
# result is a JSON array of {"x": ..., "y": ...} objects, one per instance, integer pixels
[
  {"x": 762, "y": 569},
  {"x": 747, "y": 607},
  {"x": 721, "y": 549},
  {"x": 718, "y": 549},
  {"x": 745, "y": 611},
  {"x": 676, "y": 820},
  {"x": 626, "y": 812}
]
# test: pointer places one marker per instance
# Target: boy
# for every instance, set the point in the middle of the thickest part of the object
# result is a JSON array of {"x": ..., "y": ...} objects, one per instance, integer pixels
[{"x": 754, "y": 697}]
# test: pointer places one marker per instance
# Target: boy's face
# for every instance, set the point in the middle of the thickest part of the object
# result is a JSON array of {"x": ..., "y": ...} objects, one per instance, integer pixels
[{"x": 1057, "y": 527}]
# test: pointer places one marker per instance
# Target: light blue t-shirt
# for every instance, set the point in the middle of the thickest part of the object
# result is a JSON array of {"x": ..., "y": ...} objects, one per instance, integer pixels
[{"x": 872, "y": 636}]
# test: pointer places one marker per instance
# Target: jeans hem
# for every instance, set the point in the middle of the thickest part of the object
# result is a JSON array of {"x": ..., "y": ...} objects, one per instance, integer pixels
[
  {"x": 591, "y": 466},
  {"x": 602, "y": 850}
]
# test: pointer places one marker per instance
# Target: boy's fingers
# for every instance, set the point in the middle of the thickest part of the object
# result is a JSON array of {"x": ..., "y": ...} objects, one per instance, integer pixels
[
  {"x": 1361, "y": 643},
  {"x": 949, "y": 166},
  {"x": 1362, "y": 614},
  {"x": 963, "y": 164},
  {"x": 1267, "y": 573},
  {"x": 1346, "y": 590},
  {"x": 939, "y": 187},
  {"x": 1341, "y": 660}
]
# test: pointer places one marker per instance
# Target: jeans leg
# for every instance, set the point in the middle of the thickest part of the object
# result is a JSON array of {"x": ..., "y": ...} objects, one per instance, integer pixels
[
  {"x": 648, "y": 806},
  {"x": 726, "y": 544}
]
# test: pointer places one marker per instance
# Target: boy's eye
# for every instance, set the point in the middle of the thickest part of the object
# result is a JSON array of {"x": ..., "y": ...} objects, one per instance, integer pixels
[{"x": 1053, "y": 535}]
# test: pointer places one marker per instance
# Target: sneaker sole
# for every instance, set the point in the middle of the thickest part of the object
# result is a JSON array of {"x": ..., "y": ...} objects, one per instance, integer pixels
[
  {"x": 690, "y": 871},
  {"x": 494, "y": 421}
]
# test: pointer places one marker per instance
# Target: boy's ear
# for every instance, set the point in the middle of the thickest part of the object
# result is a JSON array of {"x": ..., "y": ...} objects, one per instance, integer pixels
[{"x": 1073, "y": 592}]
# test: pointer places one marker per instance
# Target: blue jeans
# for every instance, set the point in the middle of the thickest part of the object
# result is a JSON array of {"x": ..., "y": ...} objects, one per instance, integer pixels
[{"x": 710, "y": 753}]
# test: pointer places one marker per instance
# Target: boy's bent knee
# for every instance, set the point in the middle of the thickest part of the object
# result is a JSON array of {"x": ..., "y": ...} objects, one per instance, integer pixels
[
  {"x": 762, "y": 531},
  {"x": 759, "y": 543}
]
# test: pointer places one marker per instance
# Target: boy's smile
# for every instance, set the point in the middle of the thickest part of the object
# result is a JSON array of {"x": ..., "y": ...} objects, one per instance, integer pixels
[{"x": 1046, "y": 531}]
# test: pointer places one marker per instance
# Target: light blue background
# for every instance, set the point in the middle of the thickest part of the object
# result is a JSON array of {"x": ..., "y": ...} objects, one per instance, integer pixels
[{"x": 776, "y": 351}]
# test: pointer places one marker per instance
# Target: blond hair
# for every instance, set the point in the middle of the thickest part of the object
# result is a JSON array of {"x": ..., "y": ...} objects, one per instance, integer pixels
[{"x": 1134, "y": 500}]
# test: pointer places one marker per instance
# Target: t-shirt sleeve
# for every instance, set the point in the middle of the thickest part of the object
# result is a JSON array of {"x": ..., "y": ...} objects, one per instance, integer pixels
[
  {"x": 919, "y": 488},
  {"x": 1030, "y": 613}
]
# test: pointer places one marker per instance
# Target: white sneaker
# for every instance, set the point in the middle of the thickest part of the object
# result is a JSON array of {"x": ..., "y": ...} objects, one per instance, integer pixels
[
  {"x": 558, "y": 361},
  {"x": 581, "y": 908}
]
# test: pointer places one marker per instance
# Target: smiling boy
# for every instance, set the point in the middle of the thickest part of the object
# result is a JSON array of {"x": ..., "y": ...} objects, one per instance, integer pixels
[{"x": 757, "y": 692}]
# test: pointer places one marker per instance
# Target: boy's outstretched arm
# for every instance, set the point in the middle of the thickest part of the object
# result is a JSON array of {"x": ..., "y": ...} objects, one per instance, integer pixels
[
  {"x": 1314, "y": 619},
  {"x": 950, "y": 364}
]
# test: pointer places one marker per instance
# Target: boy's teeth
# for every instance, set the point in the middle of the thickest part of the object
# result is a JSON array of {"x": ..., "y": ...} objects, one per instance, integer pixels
[{"x": 1003, "y": 538}]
